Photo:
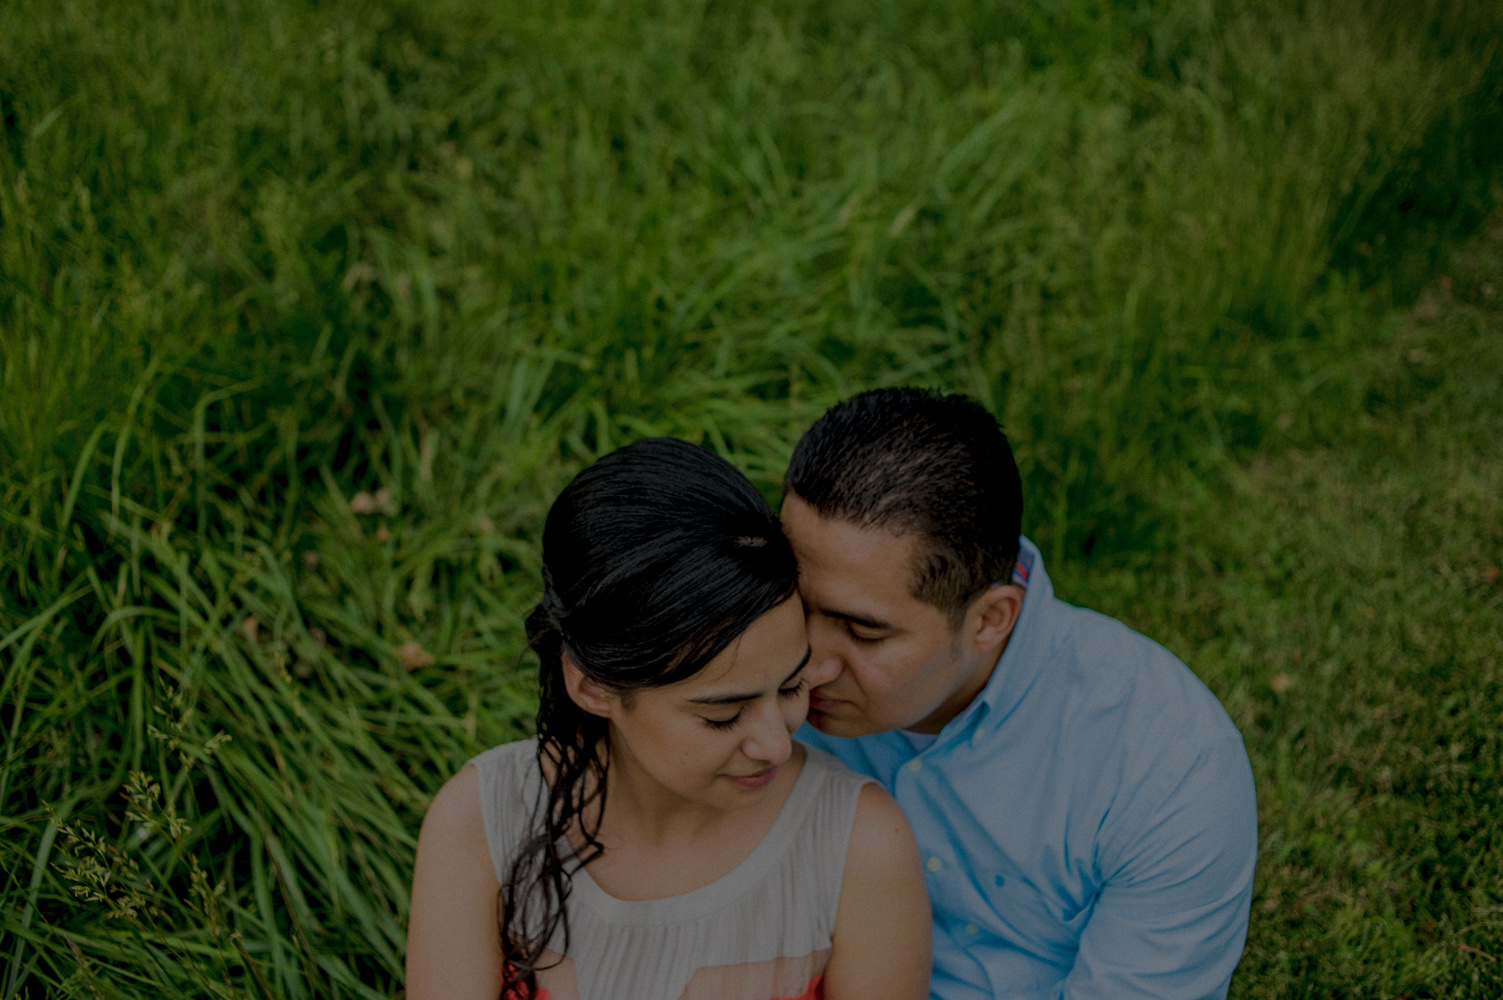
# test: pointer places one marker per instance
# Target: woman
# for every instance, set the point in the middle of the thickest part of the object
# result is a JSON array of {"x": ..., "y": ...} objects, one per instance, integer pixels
[{"x": 663, "y": 837}]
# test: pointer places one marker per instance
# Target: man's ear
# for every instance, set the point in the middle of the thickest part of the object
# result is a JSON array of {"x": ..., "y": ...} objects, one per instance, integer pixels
[
  {"x": 992, "y": 618},
  {"x": 588, "y": 693}
]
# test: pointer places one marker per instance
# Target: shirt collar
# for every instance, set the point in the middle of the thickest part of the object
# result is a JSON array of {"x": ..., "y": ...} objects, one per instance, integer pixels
[{"x": 1023, "y": 661}]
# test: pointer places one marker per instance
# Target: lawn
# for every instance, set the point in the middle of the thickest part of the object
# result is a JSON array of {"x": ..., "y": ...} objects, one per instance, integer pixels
[{"x": 308, "y": 310}]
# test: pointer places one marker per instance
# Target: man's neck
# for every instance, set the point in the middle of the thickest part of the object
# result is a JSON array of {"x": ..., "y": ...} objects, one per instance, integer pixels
[{"x": 975, "y": 682}]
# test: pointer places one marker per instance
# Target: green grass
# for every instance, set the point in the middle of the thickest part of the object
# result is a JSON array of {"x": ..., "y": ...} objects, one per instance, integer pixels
[
  {"x": 1343, "y": 599},
  {"x": 257, "y": 260}
]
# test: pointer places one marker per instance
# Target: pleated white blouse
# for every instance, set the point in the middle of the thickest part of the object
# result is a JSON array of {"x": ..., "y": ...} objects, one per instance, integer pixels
[{"x": 760, "y": 932}]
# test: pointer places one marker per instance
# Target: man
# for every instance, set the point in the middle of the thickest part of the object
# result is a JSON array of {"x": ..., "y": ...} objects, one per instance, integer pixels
[{"x": 1083, "y": 805}]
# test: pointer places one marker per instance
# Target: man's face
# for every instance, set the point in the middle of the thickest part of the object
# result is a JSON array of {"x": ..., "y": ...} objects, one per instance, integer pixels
[{"x": 881, "y": 659}]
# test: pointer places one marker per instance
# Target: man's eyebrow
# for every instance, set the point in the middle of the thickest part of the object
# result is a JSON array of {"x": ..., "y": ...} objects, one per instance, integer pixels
[
  {"x": 856, "y": 619},
  {"x": 736, "y": 699}
]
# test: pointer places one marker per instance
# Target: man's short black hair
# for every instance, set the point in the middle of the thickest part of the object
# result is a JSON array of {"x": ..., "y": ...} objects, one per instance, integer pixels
[{"x": 915, "y": 461}]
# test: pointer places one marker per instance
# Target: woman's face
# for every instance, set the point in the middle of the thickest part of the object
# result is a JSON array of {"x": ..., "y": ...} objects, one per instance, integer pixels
[{"x": 719, "y": 737}]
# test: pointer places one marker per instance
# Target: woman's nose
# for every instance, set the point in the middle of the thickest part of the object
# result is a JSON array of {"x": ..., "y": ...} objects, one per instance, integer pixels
[{"x": 768, "y": 738}]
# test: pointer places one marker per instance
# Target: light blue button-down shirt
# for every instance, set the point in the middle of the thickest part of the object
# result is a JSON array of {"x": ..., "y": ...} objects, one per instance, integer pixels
[{"x": 1087, "y": 826}]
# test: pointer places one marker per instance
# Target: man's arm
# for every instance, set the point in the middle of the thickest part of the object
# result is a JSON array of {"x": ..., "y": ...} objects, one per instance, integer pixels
[{"x": 1171, "y": 919}]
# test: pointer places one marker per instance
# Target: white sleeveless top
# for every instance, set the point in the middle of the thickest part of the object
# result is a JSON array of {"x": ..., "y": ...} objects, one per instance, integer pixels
[{"x": 760, "y": 932}]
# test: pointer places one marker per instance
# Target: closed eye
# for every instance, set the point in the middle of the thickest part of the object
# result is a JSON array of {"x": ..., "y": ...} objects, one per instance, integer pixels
[
  {"x": 743, "y": 699},
  {"x": 787, "y": 692},
  {"x": 722, "y": 723}
]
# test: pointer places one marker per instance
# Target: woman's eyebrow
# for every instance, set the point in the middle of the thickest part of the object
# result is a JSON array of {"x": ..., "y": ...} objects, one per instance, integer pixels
[{"x": 736, "y": 699}]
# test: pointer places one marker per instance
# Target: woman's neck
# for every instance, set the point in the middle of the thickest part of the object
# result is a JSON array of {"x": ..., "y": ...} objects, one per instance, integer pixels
[{"x": 657, "y": 844}]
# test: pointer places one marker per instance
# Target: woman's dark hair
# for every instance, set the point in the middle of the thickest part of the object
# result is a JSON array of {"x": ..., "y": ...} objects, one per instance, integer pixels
[{"x": 654, "y": 559}]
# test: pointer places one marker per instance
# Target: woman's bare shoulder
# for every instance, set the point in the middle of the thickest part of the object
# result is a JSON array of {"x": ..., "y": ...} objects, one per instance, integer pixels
[
  {"x": 453, "y": 948},
  {"x": 455, "y": 810},
  {"x": 881, "y": 838},
  {"x": 882, "y": 932}
]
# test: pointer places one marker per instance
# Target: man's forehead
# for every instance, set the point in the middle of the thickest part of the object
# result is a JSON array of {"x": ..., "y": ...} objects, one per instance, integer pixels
[
  {"x": 804, "y": 522},
  {"x": 855, "y": 571}
]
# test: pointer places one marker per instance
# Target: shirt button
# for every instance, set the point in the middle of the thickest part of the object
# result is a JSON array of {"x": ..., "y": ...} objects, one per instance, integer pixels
[
  {"x": 915, "y": 765},
  {"x": 934, "y": 864},
  {"x": 972, "y": 929}
]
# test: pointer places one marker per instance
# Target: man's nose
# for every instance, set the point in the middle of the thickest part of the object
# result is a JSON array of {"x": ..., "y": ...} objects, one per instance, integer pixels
[
  {"x": 825, "y": 663},
  {"x": 821, "y": 669}
]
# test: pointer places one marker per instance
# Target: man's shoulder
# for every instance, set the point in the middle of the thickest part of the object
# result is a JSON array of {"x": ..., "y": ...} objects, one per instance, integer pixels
[
  {"x": 1149, "y": 750},
  {"x": 1106, "y": 669}
]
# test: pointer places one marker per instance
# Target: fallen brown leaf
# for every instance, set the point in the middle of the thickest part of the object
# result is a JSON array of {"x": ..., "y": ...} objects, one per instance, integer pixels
[
  {"x": 379, "y": 502},
  {"x": 413, "y": 656}
]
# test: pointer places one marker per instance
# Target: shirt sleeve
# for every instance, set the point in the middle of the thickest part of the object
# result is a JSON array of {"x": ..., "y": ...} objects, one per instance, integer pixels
[{"x": 1171, "y": 918}]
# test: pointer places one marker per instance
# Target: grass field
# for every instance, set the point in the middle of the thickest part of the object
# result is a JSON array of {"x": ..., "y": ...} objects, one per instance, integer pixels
[{"x": 308, "y": 310}]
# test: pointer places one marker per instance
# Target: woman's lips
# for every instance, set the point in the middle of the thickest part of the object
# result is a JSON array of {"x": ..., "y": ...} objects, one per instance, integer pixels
[{"x": 759, "y": 780}]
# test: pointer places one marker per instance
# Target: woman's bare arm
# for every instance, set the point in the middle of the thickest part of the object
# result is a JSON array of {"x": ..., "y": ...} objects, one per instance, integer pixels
[
  {"x": 453, "y": 946},
  {"x": 882, "y": 942}
]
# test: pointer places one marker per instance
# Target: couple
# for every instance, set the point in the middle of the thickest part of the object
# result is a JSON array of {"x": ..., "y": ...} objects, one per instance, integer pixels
[{"x": 995, "y": 795}]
